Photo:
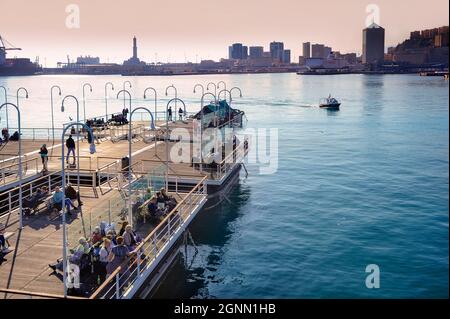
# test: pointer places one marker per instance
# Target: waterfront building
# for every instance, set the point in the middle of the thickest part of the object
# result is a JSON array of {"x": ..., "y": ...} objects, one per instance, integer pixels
[
  {"x": 317, "y": 51},
  {"x": 256, "y": 52},
  {"x": 373, "y": 44},
  {"x": 327, "y": 51},
  {"x": 244, "y": 52},
  {"x": 287, "y": 56},
  {"x": 306, "y": 50},
  {"x": 88, "y": 60},
  {"x": 277, "y": 51},
  {"x": 237, "y": 51}
]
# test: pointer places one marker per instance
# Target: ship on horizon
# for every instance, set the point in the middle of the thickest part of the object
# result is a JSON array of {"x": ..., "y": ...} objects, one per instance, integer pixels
[{"x": 16, "y": 66}]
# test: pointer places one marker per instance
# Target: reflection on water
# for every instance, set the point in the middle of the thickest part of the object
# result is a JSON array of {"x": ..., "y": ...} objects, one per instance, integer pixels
[{"x": 189, "y": 275}]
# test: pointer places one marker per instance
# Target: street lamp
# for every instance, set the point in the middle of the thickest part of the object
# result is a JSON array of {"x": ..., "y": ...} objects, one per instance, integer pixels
[
  {"x": 167, "y": 135},
  {"x": 234, "y": 89},
  {"x": 84, "y": 100},
  {"x": 6, "y": 101},
  {"x": 17, "y": 94},
  {"x": 78, "y": 135},
  {"x": 176, "y": 97},
  {"x": 225, "y": 91},
  {"x": 201, "y": 125},
  {"x": 215, "y": 87},
  {"x": 129, "y": 84},
  {"x": 51, "y": 104},
  {"x": 63, "y": 185},
  {"x": 155, "y": 94},
  {"x": 201, "y": 86},
  {"x": 129, "y": 96},
  {"x": 152, "y": 126},
  {"x": 106, "y": 98},
  {"x": 224, "y": 84},
  {"x": 20, "y": 160}
]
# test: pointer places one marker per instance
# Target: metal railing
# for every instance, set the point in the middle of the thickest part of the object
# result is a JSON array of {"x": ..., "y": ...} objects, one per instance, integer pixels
[
  {"x": 12, "y": 170},
  {"x": 152, "y": 248},
  {"x": 229, "y": 162}
]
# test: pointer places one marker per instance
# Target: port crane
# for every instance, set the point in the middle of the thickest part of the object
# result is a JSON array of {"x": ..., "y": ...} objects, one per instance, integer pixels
[
  {"x": 3, "y": 46},
  {"x": 3, "y": 49}
]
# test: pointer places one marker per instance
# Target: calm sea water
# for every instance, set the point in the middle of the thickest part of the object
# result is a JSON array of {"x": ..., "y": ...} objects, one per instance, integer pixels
[{"x": 365, "y": 185}]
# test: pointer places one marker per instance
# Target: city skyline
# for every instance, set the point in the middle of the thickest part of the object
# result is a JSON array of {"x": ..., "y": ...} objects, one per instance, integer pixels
[{"x": 175, "y": 39}]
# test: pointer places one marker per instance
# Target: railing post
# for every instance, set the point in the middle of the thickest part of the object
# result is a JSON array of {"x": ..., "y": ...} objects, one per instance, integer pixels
[
  {"x": 139, "y": 262},
  {"x": 9, "y": 202},
  {"x": 109, "y": 212},
  {"x": 168, "y": 227},
  {"x": 118, "y": 285},
  {"x": 155, "y": 247}
]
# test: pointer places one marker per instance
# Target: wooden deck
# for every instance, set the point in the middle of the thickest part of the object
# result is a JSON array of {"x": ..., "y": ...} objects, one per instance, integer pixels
[{"x": 39, "y": 243}]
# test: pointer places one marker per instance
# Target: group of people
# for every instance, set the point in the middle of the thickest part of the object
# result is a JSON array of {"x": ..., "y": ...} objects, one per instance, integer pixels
[
  {"x": 30, "y": 203},
  {"x": 161, "y": 204},
  {"x": 181, "y": 113},
  {"x": 119, "y": 118},
  {"x": 105, "y": 250}
]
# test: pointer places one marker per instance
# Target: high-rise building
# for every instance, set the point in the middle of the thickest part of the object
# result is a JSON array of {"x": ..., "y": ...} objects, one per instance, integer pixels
[
  {"x": 230, "y": 52},
  {"x": 373, "y": 44},
  {"x": 307, "y": 50},
  {"x": 277, "y": 50},
  {"x": 236, "y": 51},
  {"x": 256, "y": 52},
  {"x": 317, "y": 51},
  {"x": 287, "y": 56},
  {"x": 244, "y": 52},
  {"x": 327, "y": 51}
]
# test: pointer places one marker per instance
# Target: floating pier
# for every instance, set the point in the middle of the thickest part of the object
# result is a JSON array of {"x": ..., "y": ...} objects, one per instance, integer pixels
[{"x": 103, "y": 181}]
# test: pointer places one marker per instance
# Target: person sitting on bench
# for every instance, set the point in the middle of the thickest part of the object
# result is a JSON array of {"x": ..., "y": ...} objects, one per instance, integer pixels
[
  {"x": 153, "y": 209},
  {"x": 57, "y": 200},
  {"x": 33, "y": 201},
  {"x": 72, "y": 194},
  {"x": 75, "y": 255}
]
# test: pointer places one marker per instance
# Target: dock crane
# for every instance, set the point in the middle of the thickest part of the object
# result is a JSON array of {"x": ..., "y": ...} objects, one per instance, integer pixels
[{"x": 3, "y": 49}]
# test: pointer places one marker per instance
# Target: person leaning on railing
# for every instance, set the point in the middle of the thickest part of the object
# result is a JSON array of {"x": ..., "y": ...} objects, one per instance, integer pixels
[
  {"x": 43, "y": 152},
  {"x": 118, "y": 256}
]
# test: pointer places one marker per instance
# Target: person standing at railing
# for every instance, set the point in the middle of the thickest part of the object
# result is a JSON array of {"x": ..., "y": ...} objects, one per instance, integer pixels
[
  {"x": 118, "y": 256},
  {"x": 70, "y": 144},
  {"x": 169, "y": 113},
  {"x": 43, "y": 152}
]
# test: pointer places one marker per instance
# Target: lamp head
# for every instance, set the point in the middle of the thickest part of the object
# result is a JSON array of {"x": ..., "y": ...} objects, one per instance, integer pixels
[
  {"x": 145, "y": 96},
  {"x": 26, "y": 96},
  {"x": 62, "y": 107}
]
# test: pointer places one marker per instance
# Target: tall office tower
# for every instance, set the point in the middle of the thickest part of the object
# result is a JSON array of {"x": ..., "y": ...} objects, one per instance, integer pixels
[
  {"x": 373, "y": 44},
  {"x": 306, "y": 50}
]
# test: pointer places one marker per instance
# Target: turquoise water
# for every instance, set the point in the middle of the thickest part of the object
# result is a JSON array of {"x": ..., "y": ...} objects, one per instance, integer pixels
[{"x": 365, "y": 185}]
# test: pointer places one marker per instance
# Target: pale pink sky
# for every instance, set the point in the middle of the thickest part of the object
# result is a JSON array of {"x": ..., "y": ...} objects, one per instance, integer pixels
[{"x": 185, "y": 28}]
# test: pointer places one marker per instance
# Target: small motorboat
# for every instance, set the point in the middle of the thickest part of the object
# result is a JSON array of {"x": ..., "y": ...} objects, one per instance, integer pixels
[{"x": 329, "y": 103}]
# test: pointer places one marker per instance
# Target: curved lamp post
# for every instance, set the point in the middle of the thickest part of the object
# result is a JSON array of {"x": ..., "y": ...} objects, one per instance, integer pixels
[
  {"x": 63, "y": 182},
  {"x": 167, "y": 135},
  {"x": 78, "y": 136},
  {"x": 20, "y": 159},
  {"x": 231, "y": 96},
  {"x": 176, "y": 96},
  {"x": 106, "y": 98},
  {"x": 17, "y": 94},
  {"x": 129, "y": 84},
  {"x": 152, "y": 126},
  {"x": 84, "y": 100},
  {"x": 215, "y": 87},
  {"x": 129, "y": 96},
  {"x": 51, "y": 104},
  {"x": 224, "y": 84},
  {"x": 155, "y": 94},
  {"x": 201, "y": 86},
  {"x": 6, "y": 101},
  {"x": 201, "y": 125}
]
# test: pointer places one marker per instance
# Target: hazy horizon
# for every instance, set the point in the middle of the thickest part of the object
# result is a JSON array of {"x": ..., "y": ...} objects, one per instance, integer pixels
[{"x": 199, "y": 29}]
